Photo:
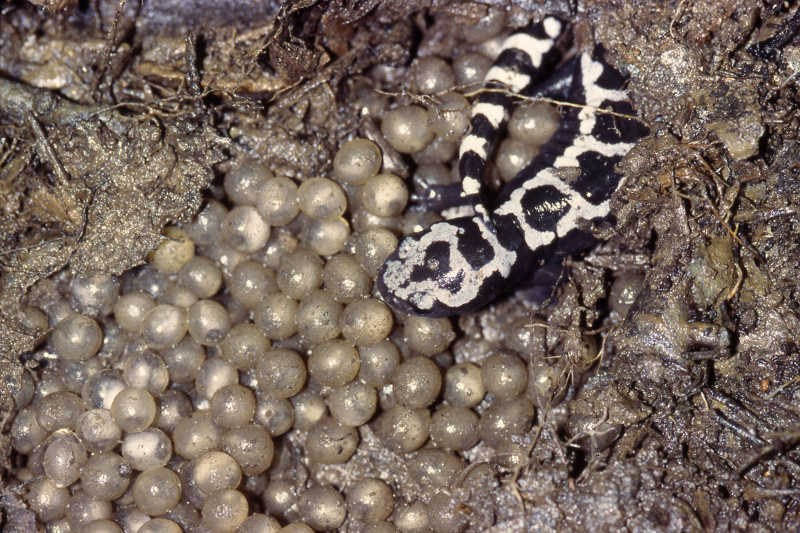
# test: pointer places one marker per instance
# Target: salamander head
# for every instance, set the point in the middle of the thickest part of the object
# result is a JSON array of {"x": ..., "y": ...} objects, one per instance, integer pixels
[{"x": 453, "y": 267}]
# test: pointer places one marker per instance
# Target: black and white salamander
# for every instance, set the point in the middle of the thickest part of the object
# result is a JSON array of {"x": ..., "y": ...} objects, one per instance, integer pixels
[{"x": 460, "y": 265}]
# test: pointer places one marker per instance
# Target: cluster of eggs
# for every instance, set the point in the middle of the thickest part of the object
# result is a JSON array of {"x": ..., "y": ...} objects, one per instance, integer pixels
[{"x": 162, "y": 399}]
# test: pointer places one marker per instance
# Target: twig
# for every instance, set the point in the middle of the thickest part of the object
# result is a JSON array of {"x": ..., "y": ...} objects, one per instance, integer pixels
[
  {"x": 192, "y": 75},
  {"x": 45, "y": 149},
  {"x": 111, "y": 38},
  {"x": 678, "y": 14}
]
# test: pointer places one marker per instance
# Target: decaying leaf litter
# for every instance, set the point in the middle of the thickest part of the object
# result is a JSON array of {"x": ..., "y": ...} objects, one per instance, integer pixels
[{"x": 679, "y": 416}]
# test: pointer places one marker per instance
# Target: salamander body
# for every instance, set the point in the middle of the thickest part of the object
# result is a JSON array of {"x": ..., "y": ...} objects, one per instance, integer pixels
[{"x": 460, "y": 265}]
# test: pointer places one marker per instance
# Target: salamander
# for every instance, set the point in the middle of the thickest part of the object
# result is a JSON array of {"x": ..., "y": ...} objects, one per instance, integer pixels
[{"x": 459, "y": 265}]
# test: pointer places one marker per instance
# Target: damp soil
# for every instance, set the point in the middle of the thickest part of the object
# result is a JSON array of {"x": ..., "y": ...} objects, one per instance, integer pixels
[{"x": 676, "y": 410}]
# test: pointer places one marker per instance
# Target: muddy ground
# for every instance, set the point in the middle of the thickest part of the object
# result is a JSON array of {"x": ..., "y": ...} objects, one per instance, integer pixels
[{"x": 681, "y": 415}]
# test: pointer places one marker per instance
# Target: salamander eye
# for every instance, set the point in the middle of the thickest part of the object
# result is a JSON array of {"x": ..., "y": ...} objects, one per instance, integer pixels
[{"x": 453, "y": 282}]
